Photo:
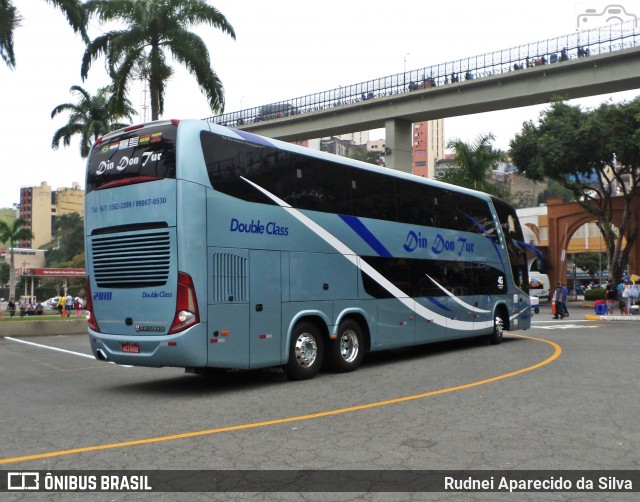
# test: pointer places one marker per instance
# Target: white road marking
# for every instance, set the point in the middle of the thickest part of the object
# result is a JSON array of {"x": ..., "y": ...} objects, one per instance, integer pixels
[
  {"x": 564, "y": 326},
  {"x": 88, "y": 356},
  {"x": 48, "y": 347}
]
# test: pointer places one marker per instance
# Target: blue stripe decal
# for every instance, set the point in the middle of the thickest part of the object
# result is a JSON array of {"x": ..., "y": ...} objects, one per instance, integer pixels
[
  {"x": 365, "y": 234},
  {"x": 437, "y": 303}
]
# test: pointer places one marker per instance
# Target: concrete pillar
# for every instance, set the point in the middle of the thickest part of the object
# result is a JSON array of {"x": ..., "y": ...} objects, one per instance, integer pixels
[{"x": 398, "y": 145}]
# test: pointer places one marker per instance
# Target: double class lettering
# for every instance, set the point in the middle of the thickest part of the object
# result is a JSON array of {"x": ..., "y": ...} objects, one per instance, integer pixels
[{"x": 256, "y": 227}]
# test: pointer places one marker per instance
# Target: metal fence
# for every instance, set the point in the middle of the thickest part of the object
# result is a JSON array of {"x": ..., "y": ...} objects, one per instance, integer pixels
[{"x": 601, "y": 40}]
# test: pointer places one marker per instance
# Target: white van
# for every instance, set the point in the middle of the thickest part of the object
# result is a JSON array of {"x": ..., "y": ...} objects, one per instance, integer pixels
[{"x": 539, "y": 285}]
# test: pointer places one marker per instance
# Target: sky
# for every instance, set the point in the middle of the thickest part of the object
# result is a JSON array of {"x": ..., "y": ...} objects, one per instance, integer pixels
[{"x": 283, "y": 49}]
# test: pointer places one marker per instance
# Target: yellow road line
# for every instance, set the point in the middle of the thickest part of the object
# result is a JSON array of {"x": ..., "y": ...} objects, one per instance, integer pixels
[{"x": 377, "y": 404}]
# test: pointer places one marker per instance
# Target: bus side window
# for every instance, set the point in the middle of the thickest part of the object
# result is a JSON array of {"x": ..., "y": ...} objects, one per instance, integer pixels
[{"x": 320, "y": 186}]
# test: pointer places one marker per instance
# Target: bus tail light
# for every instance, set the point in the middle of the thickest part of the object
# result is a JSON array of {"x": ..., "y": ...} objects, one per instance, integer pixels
[
  {"x": 93, "y": 324},
  {"x": 186, "y": 305}
]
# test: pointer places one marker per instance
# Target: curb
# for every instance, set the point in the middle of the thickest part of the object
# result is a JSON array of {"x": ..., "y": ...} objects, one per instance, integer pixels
[
  {"x": 593, "y": 317},
  {"x": 44, "y": 328}
]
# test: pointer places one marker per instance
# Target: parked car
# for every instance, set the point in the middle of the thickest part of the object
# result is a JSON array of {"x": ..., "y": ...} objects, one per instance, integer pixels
[{"x": 51, "y": 303}]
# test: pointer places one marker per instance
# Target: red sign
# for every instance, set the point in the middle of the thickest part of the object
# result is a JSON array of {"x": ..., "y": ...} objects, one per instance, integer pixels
[{"x": 58, "y": 272}]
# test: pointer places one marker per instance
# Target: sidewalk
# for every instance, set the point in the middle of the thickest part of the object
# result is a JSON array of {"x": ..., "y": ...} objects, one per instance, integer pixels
[{"x": 584, "y": 309}]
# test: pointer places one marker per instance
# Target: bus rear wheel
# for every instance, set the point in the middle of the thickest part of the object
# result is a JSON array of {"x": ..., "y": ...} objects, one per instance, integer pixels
[
  {"x": 305, "y": 352},
  {"x": 346, "y": 352}
]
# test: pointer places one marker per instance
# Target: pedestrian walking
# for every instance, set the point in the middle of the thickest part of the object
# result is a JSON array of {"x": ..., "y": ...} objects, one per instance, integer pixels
[
  {"x": 560, "y": 298},
  {"x": 566, "y": 295},
  {"x": 610, "y": 295}
]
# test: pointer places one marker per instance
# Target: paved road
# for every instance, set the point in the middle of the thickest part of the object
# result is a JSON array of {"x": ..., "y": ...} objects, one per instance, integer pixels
[{"x": 562, "y": 397}]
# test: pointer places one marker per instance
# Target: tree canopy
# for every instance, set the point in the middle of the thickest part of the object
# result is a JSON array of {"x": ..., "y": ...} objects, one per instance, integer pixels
[
  {"x": 473, "y": 164},
  {"x": 10, "y": 19},
  {"x": 13, "y": 233},
  {"x": 596, "y": 155},
  {"x": 69, "y": 241},
  {"x": 90, "y": 117},
  {"x": 154, "y": 30}
]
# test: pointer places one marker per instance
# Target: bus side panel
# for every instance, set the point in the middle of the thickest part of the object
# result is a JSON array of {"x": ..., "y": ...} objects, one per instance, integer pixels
[
  {"x": 322, "y": 276},
  {"x": 396, "y": 324},
  {"x": 428, "y": 331}
]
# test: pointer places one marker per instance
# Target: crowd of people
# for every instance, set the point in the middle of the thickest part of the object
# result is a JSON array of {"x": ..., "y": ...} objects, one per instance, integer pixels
[
  {"x": 64, "y": 305},
  {"x": 624, "y": 295}
]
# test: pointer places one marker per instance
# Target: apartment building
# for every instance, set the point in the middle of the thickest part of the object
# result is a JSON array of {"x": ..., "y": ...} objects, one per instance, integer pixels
[
  {"x": 40, "y": 206},
  {"x": 428, "y": 147}
]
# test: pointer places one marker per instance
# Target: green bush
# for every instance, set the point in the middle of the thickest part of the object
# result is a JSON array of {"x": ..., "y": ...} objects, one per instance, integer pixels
[{"x": 594, "y": 294}]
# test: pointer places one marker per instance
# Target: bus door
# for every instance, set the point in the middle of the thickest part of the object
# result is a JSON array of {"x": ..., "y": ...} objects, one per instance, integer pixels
[{"x": 265, "y": 325}]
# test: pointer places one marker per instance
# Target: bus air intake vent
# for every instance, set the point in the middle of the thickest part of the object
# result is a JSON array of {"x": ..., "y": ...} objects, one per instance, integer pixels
[
  {"x": 230, "y": 281},
  {"x": 131, "y": 261}
]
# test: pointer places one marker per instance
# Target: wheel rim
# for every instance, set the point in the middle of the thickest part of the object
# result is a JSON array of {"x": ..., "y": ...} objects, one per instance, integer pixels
[
  {"x": 349, "y": 346},
  {"x": 306, "y": 350},
  {"x": 498, "y": 328}
]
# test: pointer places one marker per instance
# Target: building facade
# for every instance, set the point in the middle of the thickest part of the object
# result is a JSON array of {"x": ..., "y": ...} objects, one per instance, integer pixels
[
  {"x": 40, "y": 206},
  {"x": 428, "y": 147}
]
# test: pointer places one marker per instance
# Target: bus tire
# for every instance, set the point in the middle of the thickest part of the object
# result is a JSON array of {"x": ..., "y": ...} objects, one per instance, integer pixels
[
  {"x": 345, "y": 353},
  {"x": 495, "y": 338},
  {"x": 306, "y": 351}
]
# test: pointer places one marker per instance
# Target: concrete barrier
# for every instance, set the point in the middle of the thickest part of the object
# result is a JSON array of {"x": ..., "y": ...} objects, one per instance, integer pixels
[{"x": 45, "y": 327}]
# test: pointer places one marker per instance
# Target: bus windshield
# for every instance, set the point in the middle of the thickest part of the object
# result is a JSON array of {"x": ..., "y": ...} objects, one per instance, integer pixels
[{"x": 127, "y": 157}]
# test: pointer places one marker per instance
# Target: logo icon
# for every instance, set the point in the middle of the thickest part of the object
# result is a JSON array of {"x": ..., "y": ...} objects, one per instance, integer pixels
[
  {"x": 611, "y": 14},
  {"x": 22, "y": 481}
]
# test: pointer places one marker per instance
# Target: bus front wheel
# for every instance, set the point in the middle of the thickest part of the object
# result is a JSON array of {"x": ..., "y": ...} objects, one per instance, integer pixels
[
  {"x": 306, "y": 352},
  {"x": 498, "y": 330},
  {"x": 346, "y": 352}
]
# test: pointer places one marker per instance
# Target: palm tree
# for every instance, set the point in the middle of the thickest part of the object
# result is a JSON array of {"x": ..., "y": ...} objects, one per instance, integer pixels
[
  {"x": 152, "y": 29},
  {"x": 10, "y": 19},
  {"x": 90, "y": 117},
  {"x": 13, "y": 233},
  {"x": 473, "y": 164}
]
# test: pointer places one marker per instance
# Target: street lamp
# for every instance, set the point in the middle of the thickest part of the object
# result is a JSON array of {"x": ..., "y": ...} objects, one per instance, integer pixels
[{"x": 404, "y": 73}]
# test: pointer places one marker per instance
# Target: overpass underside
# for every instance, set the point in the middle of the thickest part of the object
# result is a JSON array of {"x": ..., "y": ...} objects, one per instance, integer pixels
[{"x": 576, "y": 78}]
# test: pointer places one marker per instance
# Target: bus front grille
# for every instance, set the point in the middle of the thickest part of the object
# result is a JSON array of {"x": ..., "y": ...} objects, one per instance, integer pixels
[{"x": 132, "y": 261}]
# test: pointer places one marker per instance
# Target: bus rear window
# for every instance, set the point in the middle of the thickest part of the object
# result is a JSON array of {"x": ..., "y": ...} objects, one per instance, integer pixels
[{"x": 133, "y": 157}]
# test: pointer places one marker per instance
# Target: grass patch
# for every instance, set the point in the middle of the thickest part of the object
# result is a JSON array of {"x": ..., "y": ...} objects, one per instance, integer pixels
[{"x": 43, "y": 317}]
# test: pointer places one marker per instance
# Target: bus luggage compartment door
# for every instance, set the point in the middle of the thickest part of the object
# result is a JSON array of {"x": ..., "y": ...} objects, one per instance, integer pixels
[
  {"x": 244, "y": 327},
  {"x": 265, "y": 311}
]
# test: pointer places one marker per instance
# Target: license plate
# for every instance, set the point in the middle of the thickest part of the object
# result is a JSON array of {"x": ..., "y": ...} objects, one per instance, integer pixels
[{"x": 131, "y": 348}]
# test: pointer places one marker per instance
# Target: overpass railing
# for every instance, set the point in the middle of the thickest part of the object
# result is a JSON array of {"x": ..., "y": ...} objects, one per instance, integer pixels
[{"x": 601, "y": 40}]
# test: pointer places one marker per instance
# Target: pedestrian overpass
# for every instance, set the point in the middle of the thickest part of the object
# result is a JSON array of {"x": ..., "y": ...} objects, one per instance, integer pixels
[{"x": 580, "y": 64}]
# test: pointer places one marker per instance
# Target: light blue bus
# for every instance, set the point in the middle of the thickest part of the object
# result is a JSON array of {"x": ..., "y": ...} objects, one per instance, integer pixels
[{"x": 210, "y": 247}]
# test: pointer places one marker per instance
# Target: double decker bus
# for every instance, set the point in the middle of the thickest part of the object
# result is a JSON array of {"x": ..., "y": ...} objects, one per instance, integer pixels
[{"x": 209, "y": 247}]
